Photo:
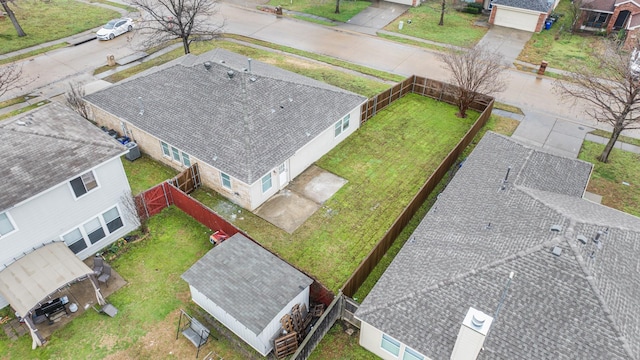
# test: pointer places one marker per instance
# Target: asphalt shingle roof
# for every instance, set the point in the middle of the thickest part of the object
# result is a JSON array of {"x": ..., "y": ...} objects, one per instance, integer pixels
[
  {"x": 246, "y": 281},
  {"x": 46, "y": 147},
  {"x": 535, "y": 5},
  {"x": 244, "y": 125},
  {"x": 579, "y": 305}
]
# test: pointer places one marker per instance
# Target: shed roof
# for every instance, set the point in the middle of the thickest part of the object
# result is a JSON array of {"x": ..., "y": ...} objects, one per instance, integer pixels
[
  {"x": 46, "y": 147},
  {"x": 576, "y": 305},
  {"x": 244, "y": 125},
  {"x": 246, "y": 281},
  {"x": 26, "y": 282}
]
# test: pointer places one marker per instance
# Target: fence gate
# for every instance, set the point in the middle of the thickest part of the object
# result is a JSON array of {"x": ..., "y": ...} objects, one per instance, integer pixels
[
  {"x": 188, "y": 180},
  {"x": 350, "y": 307}
]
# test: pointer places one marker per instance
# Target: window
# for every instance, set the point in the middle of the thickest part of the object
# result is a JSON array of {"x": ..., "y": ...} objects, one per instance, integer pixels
[
  {"x": 6, "y": 226},
  {"x": 83, "y": 184},
  {"x": 410, "y": 354},
  {"x": 390, "y": 344},
  {"x": 94, "y": 230},
  {"x": 75, "y": 241},
  {"x": 266, "y": 182},
  {"x": 226, "y": 180},
  {"x": 165, "y": 149},
  {"x": 597, "y": 20},
  {"x": 342, "y": 125},
  {"x": 112, "y": 219},
  {"x": 185, "y": 160},
  {"x": 176, "y": 154}
]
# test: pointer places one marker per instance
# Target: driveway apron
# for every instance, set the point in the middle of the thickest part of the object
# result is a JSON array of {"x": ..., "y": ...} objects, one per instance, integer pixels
[{"x": 506, "y": 41}]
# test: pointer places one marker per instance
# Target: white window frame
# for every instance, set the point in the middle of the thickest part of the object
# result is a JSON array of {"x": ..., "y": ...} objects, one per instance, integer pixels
[
  {"x": 186, "y": 159},
  {"x": 82, "y": 238},
  {"x": 174, "y": 154},
  {"x": 106, "y": 224},
  {"x": 410, "y": 354},
  {"x": 346, "y": 122},
  {"x": 87, "y": 191},
  {"x": 165, "y": 149},
  {"x": 224, "y": 180},
  {"x": 268, "y": 175},
  {"x": 341, "y": 125},
  {"x": 103, "y": 225},
  {"x": 386, "y": 339},
  {"x": 100, "y": 222},
  {"x": 11, "y": 222}
]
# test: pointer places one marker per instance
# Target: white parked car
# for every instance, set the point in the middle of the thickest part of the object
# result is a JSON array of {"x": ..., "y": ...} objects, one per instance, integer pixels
[{"x": 114, "y": 28}]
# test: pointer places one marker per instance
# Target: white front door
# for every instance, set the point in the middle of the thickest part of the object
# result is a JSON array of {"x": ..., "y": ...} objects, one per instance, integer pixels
[{"x": 283, "y": 175}]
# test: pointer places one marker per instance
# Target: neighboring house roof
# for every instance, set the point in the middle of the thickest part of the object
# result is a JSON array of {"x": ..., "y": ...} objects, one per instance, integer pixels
[
  {"x": 598, "y": 5},
  {"x": 580, "y": 305},
  {"x": 246, "y": 281},
  {"x": 46, "y": 147},
  {"x": 244, "y": 125},
  {"x": 535, "y": 5}
]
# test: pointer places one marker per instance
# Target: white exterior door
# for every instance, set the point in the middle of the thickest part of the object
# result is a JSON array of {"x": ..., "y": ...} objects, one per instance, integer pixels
[
  {"x": 283, "y": 175},
  {"x": 515, "y": 19}
]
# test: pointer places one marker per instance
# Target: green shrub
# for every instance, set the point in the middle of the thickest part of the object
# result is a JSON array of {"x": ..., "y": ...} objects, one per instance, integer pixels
[{"x": 471, "y": 10}]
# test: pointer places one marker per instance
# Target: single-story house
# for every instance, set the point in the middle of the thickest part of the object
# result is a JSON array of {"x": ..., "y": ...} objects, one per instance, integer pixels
[
  {"x": 527, "y": 15},
  {"x": 248, "y": 289},
  {"x": 251, "y": 127},
  {"x": 612, "y": 15},
  {"x": 62, "y": 180},
  {"x": 511, "y": 262}
]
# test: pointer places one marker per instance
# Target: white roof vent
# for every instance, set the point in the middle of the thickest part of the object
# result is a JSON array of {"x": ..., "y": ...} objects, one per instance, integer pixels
[
  {"x": 556, "y": 228},
  {"x": 473, "y": 331}
]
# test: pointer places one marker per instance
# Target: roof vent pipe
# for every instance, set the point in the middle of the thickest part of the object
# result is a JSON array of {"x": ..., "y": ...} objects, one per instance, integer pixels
[
  {"x": 230, "y": 73},
  {"x": 249, "y": 61},
  {"x": 207, "y": 65}
]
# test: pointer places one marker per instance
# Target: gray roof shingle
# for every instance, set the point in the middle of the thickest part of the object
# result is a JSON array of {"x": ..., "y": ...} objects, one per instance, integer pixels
[
  {"x": 535, "y": 5},
  {"x": 46, "y": 147},
  {"x": 569, "y": 306},
  {"x": 246, "y": 281},
  {"x": 245, "y": 125}
]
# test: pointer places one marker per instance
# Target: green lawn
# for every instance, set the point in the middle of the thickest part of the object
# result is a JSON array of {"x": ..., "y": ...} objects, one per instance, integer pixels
[
  {"x": 62, "y": 18},
  {"x": 324, "y": 8},
  {"x": 147, "y": 319},
  {"x": 458, "y": 28},
  {"x": 144, "y": 173},
  {"x": 607, "y": 179},
  {"x": 385, "y": 163},
  {"x": 558, "y": 47}
]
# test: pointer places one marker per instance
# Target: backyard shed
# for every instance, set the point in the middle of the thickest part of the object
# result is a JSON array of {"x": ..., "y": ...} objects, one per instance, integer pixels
[{"x": 248, "y": 289}]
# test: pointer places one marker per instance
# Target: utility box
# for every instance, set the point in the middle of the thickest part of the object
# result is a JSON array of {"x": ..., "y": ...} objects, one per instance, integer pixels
[{"x": 134, "y": 151}]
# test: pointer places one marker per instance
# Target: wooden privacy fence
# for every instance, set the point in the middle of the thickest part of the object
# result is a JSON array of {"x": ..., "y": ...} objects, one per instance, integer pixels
[
  {"x": 326, "y": 321},
  {"x": 440, "y": 91}
]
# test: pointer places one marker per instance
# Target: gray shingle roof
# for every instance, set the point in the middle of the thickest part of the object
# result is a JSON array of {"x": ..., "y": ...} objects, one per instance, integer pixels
[
  {"x": 246, "y": 281},
  {"x": 535, "y": 5},
  {"x": 602, "y": 5},
  {"x": 571, "y": 306},
  {"x": 244, "y": 126},
  {"x": 46, "y": 147}
]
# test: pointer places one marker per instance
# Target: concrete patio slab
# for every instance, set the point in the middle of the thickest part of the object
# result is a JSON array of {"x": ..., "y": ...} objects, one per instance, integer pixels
[{"x": 317, "y": 184}]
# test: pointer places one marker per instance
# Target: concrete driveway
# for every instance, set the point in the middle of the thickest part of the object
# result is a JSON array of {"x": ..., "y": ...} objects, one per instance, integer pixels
[
  {"x": 375, "y": 17},
  {"x": 508, "y": 42}
]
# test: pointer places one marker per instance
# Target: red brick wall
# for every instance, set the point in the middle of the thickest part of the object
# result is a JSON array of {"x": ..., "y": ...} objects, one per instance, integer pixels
[
  {"x": 492, "y": 17},
  {"x": 629, "y": 6},
  {"x": 540, "y": 24}
]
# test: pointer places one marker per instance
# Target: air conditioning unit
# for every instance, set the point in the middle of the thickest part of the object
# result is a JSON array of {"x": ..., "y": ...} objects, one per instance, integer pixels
[{"x": 134, "y": 151}]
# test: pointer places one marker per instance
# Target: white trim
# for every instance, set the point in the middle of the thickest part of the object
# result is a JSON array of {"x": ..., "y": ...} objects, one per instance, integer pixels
[
  {"x": 171, "y": 157},
  {"x": 517, "y": 9},
  {"x": 95, "y": 177},
  {"x": 627, "y": 2},
  {"x": 99, "y": 215},
  {"x": 222, "y": 180}
]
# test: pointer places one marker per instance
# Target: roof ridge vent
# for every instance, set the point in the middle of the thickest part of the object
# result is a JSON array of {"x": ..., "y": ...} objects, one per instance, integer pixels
[
  {"x": 582, "y": 239},
  {"x": 556, "y": 227}
]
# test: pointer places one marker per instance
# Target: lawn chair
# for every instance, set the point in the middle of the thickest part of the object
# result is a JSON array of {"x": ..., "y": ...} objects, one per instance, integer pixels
[
  {"x": 98, "y": 264},
  {"x": 106, "y": 274}
]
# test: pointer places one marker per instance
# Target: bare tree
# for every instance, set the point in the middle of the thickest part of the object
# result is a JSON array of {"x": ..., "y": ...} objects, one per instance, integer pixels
[
  {"x": 575, "y": 12},
  {"x": 337, "y": 7},
  {"x": 12, "y": 16},
  {"x": 11, "y": 78},
  {"x": 614, "y": 93},
  {"x": 187, "y": 20},
  {"x": 443, "y": 7},
  {"x": 75, "y": 99},
  {"x": 478, "y": 71}
]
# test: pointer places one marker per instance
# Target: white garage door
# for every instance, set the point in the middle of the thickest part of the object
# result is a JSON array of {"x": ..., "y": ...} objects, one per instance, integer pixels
[{"x": 515, "y": 19}]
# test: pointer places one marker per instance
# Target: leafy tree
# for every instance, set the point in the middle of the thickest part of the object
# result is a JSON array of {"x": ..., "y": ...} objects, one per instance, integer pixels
[
  {"x": 12, "y": 16},
  {"x": 187, "y": 20},
  {"x": 613, "y": 93},
  {"x": 475, "y": 72}
]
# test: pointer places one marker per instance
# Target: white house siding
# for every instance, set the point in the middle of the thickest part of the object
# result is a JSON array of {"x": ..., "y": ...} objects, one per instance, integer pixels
[
  {"x": 516, "y": 18},
  {"x": 371, "y": 339},
  {"x": 272, "y": 331},
  {"x": 230, "y": 322},
  {"x": 51, "y": 214}
]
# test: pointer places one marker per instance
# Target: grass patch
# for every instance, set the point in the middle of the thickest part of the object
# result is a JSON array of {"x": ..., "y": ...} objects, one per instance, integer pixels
[
  {"x": 413, "y": 42},
  {"x": 115, "y": 4},
  {"x": 23, "y": 109},
  {"x": 458, "y": 28},
  {"x": 62, "y": 18},
  {"x": 313, "y": 20},
  {"x": 507, "y": 107},
  {"x": 607, "y": 179},
  {"x": 321, "y": 72},
  {"x": 16, "y": 100},
  {"x": 558, "y": 47},
  {"x": 325, "y": 9},
  {"x": 621, "y": 138},
  {"x": 32, "y": 53},
  {"x": 144, "y": 173},
  {"x": 385, "y": 163}
]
